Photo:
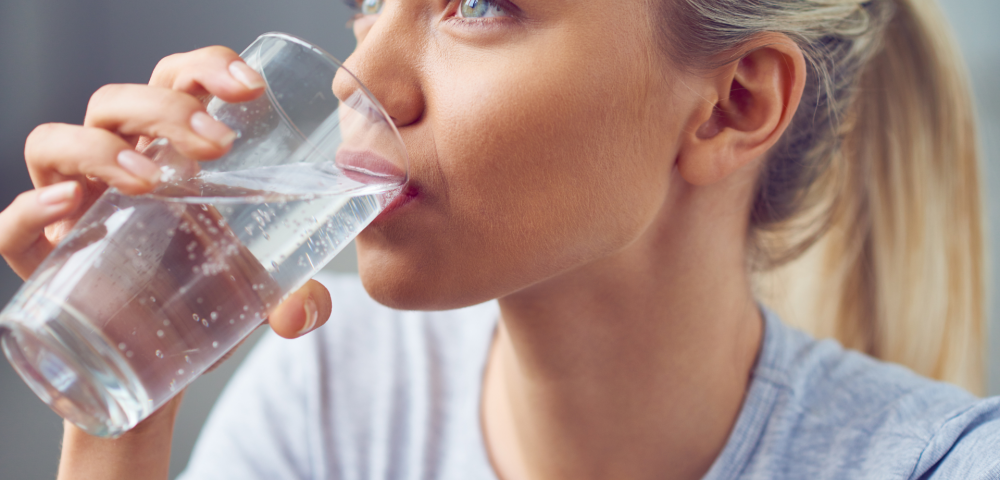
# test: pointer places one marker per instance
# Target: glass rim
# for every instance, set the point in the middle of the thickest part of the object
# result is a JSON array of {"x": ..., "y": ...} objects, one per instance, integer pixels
[{"x": 337, "y": 67}]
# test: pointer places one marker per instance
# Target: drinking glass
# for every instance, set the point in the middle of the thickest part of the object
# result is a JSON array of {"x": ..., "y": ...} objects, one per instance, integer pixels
[{"x": 147, "y": 292}]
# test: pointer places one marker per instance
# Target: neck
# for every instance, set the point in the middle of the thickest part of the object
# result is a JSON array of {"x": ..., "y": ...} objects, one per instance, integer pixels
[{"x": 634, "y": 366}]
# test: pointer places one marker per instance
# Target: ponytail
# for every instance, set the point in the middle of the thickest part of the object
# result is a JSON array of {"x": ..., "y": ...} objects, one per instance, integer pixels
[{"x": 867, "y": 226}]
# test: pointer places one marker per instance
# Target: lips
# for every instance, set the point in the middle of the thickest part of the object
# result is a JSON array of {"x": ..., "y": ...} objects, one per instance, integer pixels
[
  {"x": 368, "y": 167},
  {"x": 408, "y": 194}
]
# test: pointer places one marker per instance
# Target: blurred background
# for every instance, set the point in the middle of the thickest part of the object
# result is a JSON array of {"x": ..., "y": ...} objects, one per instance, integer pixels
[{"x": 55, "y": 53}]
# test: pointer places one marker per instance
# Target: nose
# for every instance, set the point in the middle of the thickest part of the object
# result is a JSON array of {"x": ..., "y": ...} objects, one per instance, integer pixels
[{"x": 386, "y": 61}]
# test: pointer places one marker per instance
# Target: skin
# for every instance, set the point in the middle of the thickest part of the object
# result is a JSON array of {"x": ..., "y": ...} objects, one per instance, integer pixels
[{"x": 560, "y": 164}]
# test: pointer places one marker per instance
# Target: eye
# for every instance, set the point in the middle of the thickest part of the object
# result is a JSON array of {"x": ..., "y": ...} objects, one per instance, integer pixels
[
  {"x": 481, "y": 9},
  {"x": 371, "y": 7}
]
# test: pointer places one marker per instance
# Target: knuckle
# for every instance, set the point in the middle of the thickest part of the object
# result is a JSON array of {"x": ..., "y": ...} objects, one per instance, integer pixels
[
  {"x": 166, "y": 69},
  {"x": 103, "y": 95},
  {"x": 216, "y": 51},
  {"x": 38, "y": 137}
]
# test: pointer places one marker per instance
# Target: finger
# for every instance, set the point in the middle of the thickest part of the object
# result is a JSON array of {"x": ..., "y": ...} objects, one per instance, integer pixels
[
  {"x": 135, "y": 110},
  {"x": 57, "y": 152},
  {"x": 23, "y": 243},
  {"x": 215, "y": 70},
  {"x": 302, "y": 312}
]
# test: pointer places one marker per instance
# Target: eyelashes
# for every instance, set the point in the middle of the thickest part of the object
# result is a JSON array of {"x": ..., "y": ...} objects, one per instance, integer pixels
[
  {"x": 467, "y": 9},
  {"x": 481, "y": 9}
]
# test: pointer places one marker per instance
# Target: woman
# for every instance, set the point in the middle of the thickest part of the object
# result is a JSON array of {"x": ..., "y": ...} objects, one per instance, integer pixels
[{"x": 628, "y": 179}]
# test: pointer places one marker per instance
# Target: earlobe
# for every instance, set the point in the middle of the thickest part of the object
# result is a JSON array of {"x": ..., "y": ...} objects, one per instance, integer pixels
[{"x": 755, "y": 100}]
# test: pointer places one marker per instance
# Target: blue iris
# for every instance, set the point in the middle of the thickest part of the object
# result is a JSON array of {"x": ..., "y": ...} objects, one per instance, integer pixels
[
  {"x": 480, "y": 9},
  {"x": 371, "y": 7}
]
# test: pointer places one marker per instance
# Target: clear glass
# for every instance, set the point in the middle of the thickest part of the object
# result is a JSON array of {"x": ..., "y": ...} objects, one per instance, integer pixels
[{"x": 147, "y": 292}]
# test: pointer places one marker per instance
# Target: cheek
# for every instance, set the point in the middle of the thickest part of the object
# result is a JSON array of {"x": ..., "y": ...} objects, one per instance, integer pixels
[
  {"x": 549, "y": 168},
  {"x": 556, "y": 151},
  {"x": 545, "y": 164}
]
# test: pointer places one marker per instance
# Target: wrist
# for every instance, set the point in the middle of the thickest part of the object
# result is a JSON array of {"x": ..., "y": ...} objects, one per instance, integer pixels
[{"x": 142, "y": 452}]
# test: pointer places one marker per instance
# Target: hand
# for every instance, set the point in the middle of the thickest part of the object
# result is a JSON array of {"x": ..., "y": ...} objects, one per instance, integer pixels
[{"x": 71, "y": 165}]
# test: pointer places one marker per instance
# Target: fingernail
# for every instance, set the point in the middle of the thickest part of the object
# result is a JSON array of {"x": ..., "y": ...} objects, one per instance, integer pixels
[
  {"x": 139, "y": 165},
  {"x": 57, "y": 194},
  {"x": 312, "y": 315},
  {"x": 212, "y": 129},
  {"x": 246, "y": 75}
]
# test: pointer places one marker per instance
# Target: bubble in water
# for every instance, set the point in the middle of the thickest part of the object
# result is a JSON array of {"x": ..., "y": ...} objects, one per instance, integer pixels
[
  {"x": 152, "y": 299},
  {"x": 195, "y": 317},
  {"x": 187, "y": 359},
  {"x": 180, "y": 371},
  {"x": 159, "y": 333},
  {"x": 200, "y": 300},
  {"x": 215, "y": 316},
  {"x": 253, "y": 287},
  {"x": 121, "y": 346},
  {"x": 191, "y": 256},
  {"x": 128, "y": 354},
  {"x": 265, "y": 235},
  {"x": 183, "y": 290},
  {"x": 173, "y": 384},
  {"x": 215, "y": 344},
  {"x": 232, "y": 322},
  {"x": 246, "y": 308},
  {"x": 204, "y": 322},
  {"x": 232, "y": 278},
  {"x": 159, "y": 354},
  {"x": 242, "y": 316},
  {"x": 166, "y": 323}
]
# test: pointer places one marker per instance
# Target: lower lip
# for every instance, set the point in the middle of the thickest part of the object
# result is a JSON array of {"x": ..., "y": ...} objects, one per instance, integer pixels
[{"x": 405, "y": 197}]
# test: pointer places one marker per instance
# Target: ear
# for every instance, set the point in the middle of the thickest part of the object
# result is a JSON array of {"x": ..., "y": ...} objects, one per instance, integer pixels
[{"x": 749, "y": 105}]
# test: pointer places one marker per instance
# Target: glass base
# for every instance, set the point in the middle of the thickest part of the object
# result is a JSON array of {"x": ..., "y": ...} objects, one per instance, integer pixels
[{"x": 66, "y": 367}]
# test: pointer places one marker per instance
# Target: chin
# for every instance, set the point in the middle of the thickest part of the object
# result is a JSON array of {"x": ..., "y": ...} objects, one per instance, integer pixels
[
  {"x": 415, "y": 291},
  {"x": 398, "y": 284}
]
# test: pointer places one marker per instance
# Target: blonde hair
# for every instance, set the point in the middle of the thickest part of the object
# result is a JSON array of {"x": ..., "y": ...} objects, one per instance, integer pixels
[{"x": 867, "y": 224}]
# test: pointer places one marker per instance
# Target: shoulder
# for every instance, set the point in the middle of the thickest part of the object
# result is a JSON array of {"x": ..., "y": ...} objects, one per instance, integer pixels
[{"x": 838, "y": 413}]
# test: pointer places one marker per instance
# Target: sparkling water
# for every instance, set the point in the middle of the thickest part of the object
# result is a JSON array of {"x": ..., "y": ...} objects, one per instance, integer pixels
[{"x": 151, "y": 291}]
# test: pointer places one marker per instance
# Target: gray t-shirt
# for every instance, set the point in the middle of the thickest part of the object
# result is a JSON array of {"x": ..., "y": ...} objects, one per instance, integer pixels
[{"x": 384, "y": 394}]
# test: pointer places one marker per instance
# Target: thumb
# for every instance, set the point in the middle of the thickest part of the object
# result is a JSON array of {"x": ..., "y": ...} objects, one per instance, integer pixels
[{"x": 303, "y": 311}]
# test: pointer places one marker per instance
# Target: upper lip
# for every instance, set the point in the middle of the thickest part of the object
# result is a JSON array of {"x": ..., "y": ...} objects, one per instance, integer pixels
[{"x": 370, "y": 166}]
